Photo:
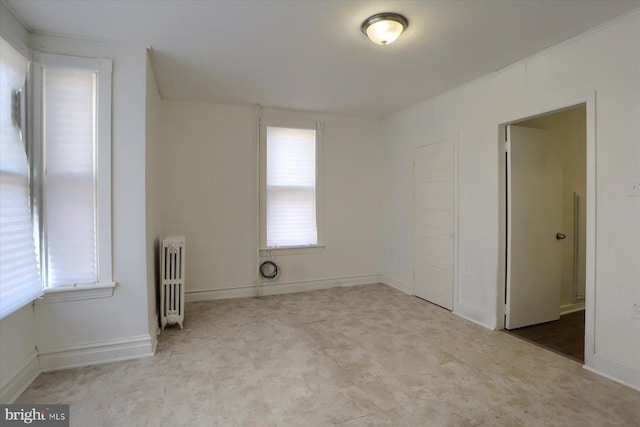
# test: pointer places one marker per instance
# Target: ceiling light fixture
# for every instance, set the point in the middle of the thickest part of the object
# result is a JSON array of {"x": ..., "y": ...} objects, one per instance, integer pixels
[{"x": 384, "y": 28}]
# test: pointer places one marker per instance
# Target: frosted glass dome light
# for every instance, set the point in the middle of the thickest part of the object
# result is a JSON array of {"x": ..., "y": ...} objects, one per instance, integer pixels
[{"x": 384, "y": 28}]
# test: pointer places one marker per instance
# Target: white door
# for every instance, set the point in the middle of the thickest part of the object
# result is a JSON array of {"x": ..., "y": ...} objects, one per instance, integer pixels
[
  {"x": 434, "y": 219},
  {"x": 534, "y": 217}
]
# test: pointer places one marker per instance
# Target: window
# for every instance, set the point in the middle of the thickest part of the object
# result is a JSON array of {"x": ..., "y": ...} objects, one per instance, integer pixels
[
  {"x": 72, "y": 170},
  {"x": 290, "y": 190},
  {"x": 19, "y": 275},
  {"x": 55, "y": 195}
]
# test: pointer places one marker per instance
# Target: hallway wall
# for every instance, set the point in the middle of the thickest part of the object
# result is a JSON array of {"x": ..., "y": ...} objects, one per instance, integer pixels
[{"x": 571, "y": 127}]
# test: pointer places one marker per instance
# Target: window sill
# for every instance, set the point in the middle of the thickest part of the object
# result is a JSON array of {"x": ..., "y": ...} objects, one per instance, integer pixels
[
  {"x": 77, "y": 293},
  {"x": 291, "y": 250}
]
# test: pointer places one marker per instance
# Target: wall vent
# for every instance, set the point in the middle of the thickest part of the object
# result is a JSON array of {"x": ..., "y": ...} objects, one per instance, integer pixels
[{"x": 172, "y": 266}]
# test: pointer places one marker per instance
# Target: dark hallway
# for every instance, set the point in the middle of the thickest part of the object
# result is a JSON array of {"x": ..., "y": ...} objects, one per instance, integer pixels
[{"x": 564, "y": 336}]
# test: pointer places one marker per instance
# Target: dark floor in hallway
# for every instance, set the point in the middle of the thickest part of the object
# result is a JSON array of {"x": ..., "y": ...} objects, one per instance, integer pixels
[{"x": 565, "y": 336}]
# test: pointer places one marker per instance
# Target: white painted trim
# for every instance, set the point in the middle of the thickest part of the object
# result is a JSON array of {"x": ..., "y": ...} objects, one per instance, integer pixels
[
  {"x": 538, "y": 110},
  {"x": 154, "y": 335},
  {"x": 319, "y": 127},
  {"x": 500, "y": 299},
  {"x": 592, "y": 228},
  {"x": 103, "y": 145},
  {"x": 571, "y": 308},
  {"x": 104, "y": 244},
  {"x": 456, "y": 221},
  {"x": 257, "y": 193},
  {"x": 472, "y": 314},
  {"x": 244, "y": 291},
  {"x": 76, "y": 293},
  {"x": 593, "y": 362},
  {"x": 12, "y": 388},
  {"x": 290, "y": 123},
  {"x": 615, "y": 372},
  {"x": 397, "y": 284},
  {"x": 290, "y": 250},
  {"x": 96, "y": 353}
]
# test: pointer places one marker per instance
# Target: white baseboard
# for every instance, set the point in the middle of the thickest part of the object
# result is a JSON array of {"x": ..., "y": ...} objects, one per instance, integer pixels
[
  {"x": 154, "y": 335},
  {"x": 275, "y": 288},
  {"x": 480, "y": 317},
  {"x": 96, "y": 353},
  {"x": 571, "y": 308},
  {"x": 398, "y": 284},
  {"x": 615, "y": 372},
  {"x": 11, "y": 389}
]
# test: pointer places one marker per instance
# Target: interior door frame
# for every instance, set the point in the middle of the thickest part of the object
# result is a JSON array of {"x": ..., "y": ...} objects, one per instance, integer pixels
[
  {"x": 589, "y": 101},
  {"x": 456, "y": 234}
]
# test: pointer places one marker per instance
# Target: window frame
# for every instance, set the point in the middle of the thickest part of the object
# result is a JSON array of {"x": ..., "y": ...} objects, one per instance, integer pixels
[
  {"x": 263, "y": 124},
  {"x": 104, "y": 285},
  {"x": 17, "y": 108}
]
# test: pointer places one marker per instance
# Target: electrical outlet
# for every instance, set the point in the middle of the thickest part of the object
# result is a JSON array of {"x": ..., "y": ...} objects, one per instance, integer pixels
[{"x": 635, "y": 311}]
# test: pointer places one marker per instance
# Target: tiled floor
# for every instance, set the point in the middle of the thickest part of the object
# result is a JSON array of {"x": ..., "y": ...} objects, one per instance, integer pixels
[{"x": 367, "y": 355}]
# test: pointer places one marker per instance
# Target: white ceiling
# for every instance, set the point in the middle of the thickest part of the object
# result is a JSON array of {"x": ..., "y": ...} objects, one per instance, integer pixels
[{"x": 311, "y": 55}]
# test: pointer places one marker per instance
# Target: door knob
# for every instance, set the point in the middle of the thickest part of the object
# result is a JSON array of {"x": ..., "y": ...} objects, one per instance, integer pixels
[{"x": 560, "y": 236}]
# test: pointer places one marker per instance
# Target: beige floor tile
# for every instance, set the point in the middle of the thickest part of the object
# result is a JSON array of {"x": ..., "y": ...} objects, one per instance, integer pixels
[
  {"x": 189, "y": 410},
  {"x": 142, "y": 414},
  {"x": 360, "y": 356},
  {"x": 90, "y": 418}
]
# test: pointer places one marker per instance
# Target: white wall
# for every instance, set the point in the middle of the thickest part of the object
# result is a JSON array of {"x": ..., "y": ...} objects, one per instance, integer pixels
[
  {"x": 571, "y": 128},
  {"x": 606, "y": 60},
  {"x": 18, "y": 355},
  {"x": 153, "y": 195},
  {"x": 107, "y": 329},
  {"x": 209, "y": 190}
]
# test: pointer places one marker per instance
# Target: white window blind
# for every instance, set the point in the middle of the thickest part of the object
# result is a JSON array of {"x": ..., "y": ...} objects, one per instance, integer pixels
[
  {"x": 69, "y": 128},
  {"x": 290, "y": 187},
  {"x": 19, "y": 276}
]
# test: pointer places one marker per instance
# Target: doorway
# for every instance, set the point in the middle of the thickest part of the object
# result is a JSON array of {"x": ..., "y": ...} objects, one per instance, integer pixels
[{"x": 545, "y": 203}]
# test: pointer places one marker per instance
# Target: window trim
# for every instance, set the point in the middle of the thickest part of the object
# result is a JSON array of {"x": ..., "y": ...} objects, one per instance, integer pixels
[
  {"x": 293, "y": 124},
  {"x": 27, "y": 294},
  {"x": 104, "y": 286},
  {"x": 75, "y": 293}
]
